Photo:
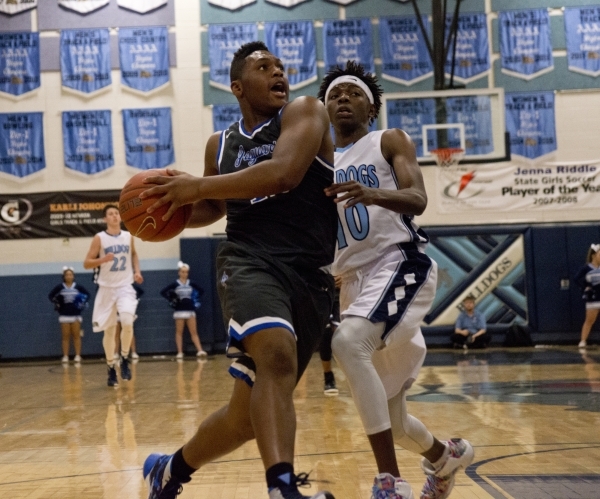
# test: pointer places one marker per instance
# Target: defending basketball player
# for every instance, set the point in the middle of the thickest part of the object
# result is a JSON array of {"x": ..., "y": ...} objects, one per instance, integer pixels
[
  {"x": 276, "y": 292},
  {"x": 388, "y": 283}
]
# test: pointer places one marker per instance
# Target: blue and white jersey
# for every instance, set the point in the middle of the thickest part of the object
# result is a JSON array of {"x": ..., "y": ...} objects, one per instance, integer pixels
[
  {"x": 183, "y": 295},
  {"x": 588, "y": 279},
  {"x": 366, "y": 233},
  {"x": 69, "y": 300},
  {"x": 118, "y": 272}
]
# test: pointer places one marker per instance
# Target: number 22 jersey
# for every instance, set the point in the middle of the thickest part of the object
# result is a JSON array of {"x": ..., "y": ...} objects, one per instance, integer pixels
[{"x": 119, "y": 271}]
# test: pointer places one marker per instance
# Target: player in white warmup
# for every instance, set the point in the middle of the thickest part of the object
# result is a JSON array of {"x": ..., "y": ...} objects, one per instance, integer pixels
[
  {"x": 388, "y": 283},
  {"x": 113, "y": 256}
]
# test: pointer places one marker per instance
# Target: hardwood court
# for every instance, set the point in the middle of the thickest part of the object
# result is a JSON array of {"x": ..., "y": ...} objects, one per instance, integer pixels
[{"x": 533, "y": 416}]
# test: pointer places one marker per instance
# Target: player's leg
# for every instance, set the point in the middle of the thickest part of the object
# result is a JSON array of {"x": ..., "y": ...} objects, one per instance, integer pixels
[
  {"x": 591, "y": 314},
  {"x": 179, "y": 327},
  {"x": 326, "y": 354},
  {"x": 76, "y": 335},
  {"x": 193, "y": 329},
  {"x": 104, "y": 318},
  {"x": 65, "y": 331}
]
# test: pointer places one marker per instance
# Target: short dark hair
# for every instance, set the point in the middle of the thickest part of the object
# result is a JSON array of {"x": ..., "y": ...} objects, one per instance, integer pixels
[
  {"x": 108, "y": 207},
  {"x": 354, "y": 68},
  {"x": 239, "y": 58}
]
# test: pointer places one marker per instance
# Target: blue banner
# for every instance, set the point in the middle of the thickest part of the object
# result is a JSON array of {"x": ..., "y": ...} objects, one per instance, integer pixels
[
  {"x": 223, "y": 41},
  {"x": 472, "y": 55},
  {"x": 582, "y": 30},
  {"x": 19, "y": 62},
  {"x": 525, "y": 43},
  {"x": 410, "y": 115},
  {"x": 85, "y": 59},
  {"x": 349, "y": 40},
  {"x": 404, "y": 51},
  {"x": 87, "y": 141},
  {"x": 530, "y": 123},
  {"x": 294, "y": 43},
  {"x": 148, "y": 137},
  {"x": 21, "y": 144},
  {"x": 224, "y": 115},
  {"x": 475, "y": 113},
  {"x": 144, "y": 56}
]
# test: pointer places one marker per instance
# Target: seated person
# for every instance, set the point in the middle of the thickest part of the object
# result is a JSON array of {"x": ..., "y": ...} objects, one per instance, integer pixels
[{"x": 470, "y": 327}]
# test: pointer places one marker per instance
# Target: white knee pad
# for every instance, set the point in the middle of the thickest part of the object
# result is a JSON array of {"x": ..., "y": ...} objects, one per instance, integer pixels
[{"x": 108, "y": 342}]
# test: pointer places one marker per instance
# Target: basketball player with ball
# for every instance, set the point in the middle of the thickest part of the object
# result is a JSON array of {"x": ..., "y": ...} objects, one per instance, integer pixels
[
  {"x": 113, "y": 256},
  {"x": 268, "y": 173}
]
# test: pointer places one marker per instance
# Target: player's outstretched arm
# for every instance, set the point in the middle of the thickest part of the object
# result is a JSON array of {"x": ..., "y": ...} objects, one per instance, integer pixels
[
  {"x": 410, "y": 198},
  {"x": 304, "y": 134}
]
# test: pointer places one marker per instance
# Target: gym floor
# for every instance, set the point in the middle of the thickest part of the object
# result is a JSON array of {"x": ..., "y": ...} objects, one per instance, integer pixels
[{"x": 532, "y": 415}]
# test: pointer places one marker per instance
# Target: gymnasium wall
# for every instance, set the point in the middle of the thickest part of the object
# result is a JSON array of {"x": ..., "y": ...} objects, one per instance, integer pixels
[{"x": 28, "y": 265}]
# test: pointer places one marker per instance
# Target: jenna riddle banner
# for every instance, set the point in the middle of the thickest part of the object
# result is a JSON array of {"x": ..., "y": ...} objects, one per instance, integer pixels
[
  {"x": 520, "y": 187},
  {"x": 54, "y": 214}
]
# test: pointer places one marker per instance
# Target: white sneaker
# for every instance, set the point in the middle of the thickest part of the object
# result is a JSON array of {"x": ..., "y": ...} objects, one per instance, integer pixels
[
  {"x": 77, "y": 359},
  {"x": 201, "y": 354},
  {"x": 179, "y": 356},
  {"x": 134, "y": 356},
  {"x": 385, "y": 486},
  {"x": 65, "y": 359},
  {"x": 440, "y": 481},
  {"x": 582, "y": 344}
]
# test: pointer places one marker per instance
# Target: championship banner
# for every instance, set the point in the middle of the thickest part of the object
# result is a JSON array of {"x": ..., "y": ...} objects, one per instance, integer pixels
[
  {"x": 224, "y": 115},
  {"x": 85, "y": 59},
  {"x": 21, "y": 144},
  {"x": 410, "y": 116},
  {"x": 82, "y": 6},
  {"x": 144, "y": 56},
  {"x": 231, "y": 4},
  {"x": 287, "y": 3},
  {"x": 525, "y": 43},
  {"x": 87, "y": 141},
  {"x": 348, "y": 40},
  {"x": 530, "y": 123},
  {"x": 472, "y": 55},
  {"x": 294, "y": 43},
  {"x": 582, "y": 30},
  {"x": 475, "y": 112},
  {"x": 54, "y": 214},
  {"x": 141, "y": 6},
  {"x": 19, "y": 62},
  {"x": 148, "y": 137},
  {"x": 518, "y": 187},
  {"x": 404, "y": 54},
  {"x": 223, "y": 41},
  {"x": 11, "y": 7}
]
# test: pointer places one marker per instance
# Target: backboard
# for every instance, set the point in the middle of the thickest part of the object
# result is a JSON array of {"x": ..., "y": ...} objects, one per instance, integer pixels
[{"x": 469, "y": 119}]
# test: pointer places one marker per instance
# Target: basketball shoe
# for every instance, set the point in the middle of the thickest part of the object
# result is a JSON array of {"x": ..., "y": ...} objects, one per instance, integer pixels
[
  {"x": 329, "y": 386},
  {"x": 112, "y": 376},
  {"x": 157, "y": 474},
  {"x": 288, "y": 489},
  {"x": 440, "y": 479},
  {"x": 385, "y": 486},
  {"x": 125, "y": 371}
]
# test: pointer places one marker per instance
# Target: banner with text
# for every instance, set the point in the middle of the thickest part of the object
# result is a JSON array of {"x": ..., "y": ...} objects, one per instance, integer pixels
[
  {"x": 85, "y": 59},
  {"x": 54, "y": 214},
  {"x": 404, "y": 54},
  {"x": 519, "y": 187},
  {"x": 87, "y": 141},
  {"x": 472, "y": 55},
  {"x": 294, "y": 43},
  {"x": 83, "y": 6},
  {"x": 224, "y": 115},
  {"x": 148, "y": 137},
  {"x": 19, "y": 62},
  {"x": 582, "y": 30},
  {"x": 349, "y": 40},
  {"x": 141, "y": 6},
  {"x": 530, "y": 123},
  {"x": 11, "y": 7},
  {"x": 144, "y": 56},
  {"x": 223, "y": 41},
  {"x": 21, "y": 144}
]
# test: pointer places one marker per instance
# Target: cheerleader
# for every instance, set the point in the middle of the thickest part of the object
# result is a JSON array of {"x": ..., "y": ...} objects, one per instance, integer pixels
[
  {"x": 184, "y": 296},
  {"x": 588, "y": 278},
  {"x": 69, "y": 300}
]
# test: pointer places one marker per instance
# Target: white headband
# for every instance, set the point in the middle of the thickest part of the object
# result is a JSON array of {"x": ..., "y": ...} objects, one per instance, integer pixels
[
  {"x": 355, "y": 81},
  {"x": 65, "y": 268},
  {"x": 181, "y": 265},
  {"x": 595, "y": 247}
]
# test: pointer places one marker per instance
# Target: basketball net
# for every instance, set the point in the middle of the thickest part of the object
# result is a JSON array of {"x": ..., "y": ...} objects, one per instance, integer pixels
[{"x": 447, "y": 158}]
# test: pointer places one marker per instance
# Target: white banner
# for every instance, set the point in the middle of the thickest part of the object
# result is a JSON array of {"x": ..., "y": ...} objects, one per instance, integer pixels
[
  {"x": 519, "y": 187},
  {"x": 231, "y": 4},
  {"x": 11, "y": 7},
  {"x": 83, "y": 6},
  {"x": 286, "y": 3},
  {"x": 141, "y": 6}
]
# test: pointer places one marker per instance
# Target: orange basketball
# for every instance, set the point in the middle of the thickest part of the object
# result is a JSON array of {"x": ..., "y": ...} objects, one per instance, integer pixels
[{"x": 149, "y": 226}]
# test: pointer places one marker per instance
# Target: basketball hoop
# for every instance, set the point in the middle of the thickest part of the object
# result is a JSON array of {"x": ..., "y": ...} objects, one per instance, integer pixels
[{"x": 448, "y": 157}]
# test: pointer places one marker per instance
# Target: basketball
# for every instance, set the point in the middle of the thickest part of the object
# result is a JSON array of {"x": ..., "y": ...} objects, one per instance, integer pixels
[{"x": 149, "y": 226}]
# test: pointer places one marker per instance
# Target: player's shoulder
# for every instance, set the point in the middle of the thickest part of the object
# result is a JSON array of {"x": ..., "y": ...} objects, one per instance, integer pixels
[{"x": 304, "y": 103}]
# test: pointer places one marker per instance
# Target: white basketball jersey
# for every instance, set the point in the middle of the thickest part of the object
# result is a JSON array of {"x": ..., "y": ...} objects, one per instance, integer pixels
[
  {"x": 366, "y": 232},
  {"x": 119, "y": 272}
]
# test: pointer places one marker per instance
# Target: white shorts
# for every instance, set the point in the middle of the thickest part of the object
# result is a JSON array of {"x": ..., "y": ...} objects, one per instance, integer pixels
[
  {"x": 398, "y": 289},
  {"x": 69, "y": 319},
  {"x": 109, "y": 302},
  {"x": 592, "y": 305},
  {"x": 184, "y": 314}
]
